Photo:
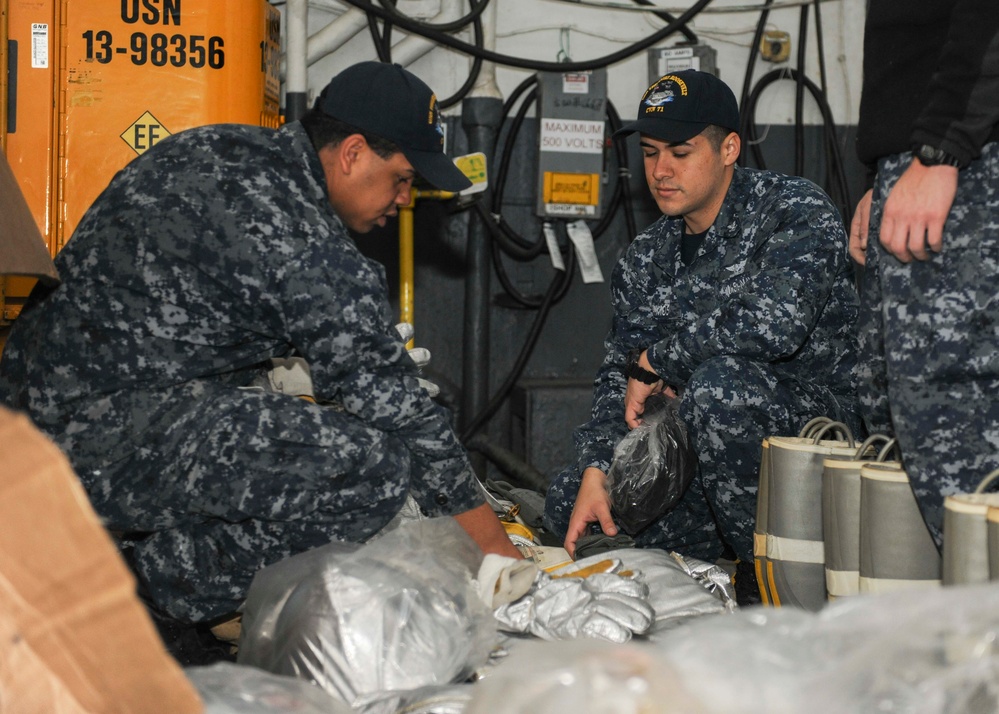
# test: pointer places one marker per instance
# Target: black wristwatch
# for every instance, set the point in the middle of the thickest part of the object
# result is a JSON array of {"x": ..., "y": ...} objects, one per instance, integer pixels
[
  {"x": 932, "y": 156},
  {"x": 633, "y": 370}
]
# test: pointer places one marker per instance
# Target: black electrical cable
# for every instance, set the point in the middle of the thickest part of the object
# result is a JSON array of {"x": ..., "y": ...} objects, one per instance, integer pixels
[
  {"x": 821, "y": 46},
  {"x": 799, "y": 95},
  {"x": 383, "y": 48},
  {"x": 831, "y": 131},
  {"x": 515, "y": 94},
  {"x": 506, "y": 154},
  {"x": 833, "y": 147},
  {"x": 473, "y": 73},
  {"x": 749, "y": 138},
  {"x": 558, "y": 285},
  {"x": 663, "y": 15},
  {"x": 502, "y": 236},
  {"x": 381, "y": 39},
  {"x": 509, "y": 61},
  {"x": 624, "y": 174},
  {"x": 476, "y": 8}
]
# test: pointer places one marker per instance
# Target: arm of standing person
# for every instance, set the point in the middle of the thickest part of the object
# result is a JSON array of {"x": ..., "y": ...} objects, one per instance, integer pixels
[
  {"x": 860, "y": 227},
  {"x": 916, "y": 210},
  {"x": 960, "y": 113}
]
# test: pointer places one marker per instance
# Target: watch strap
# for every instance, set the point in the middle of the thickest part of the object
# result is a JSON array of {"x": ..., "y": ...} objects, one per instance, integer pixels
[
  {"x": 633, "y": 370},
  {"x": 929, "y": 155}
]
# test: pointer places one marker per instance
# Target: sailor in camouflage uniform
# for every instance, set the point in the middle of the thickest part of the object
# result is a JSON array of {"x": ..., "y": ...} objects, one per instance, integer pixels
[
  {"x": 929, "y": 125},
  {"x": 219, "y": 249},
  {"x": 739, "y": 299}
]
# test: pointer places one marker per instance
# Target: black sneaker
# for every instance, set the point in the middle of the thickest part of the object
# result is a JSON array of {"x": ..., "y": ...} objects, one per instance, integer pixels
[{"x": 747, "y": 589}]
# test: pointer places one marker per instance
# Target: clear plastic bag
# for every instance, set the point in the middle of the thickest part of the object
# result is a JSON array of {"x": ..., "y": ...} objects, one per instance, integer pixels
[
  {"x": 653, "y": 465},
  {"x": 364, "y": 622},
  {"x": 228, "y": 688}
]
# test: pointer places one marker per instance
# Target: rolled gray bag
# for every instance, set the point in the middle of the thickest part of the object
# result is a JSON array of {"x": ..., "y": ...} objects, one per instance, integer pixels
[
  {"x": 966, "y": 550},
  {"x": 841, "y": 514},
  {"x": 764, "y": 572},
  {"x": 897, "y": 551},
  {"x": 364, "y": 622},
  {"x": 795, "y": 547}
]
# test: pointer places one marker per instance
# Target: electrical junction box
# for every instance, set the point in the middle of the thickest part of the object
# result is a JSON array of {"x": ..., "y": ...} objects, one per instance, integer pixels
[
  {"x": 664, "y": 60},
  {"x": 572, "y": 109},
  {"x": 88, "y": 85}
]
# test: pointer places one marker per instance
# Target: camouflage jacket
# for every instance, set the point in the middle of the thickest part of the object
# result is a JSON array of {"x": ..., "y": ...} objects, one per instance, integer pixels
[
  {"x": 211, "y": 253},
  {"x": 771, "y": 282}
]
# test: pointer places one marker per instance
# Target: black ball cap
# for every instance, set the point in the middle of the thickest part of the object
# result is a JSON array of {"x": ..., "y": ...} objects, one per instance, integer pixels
[
  {"x": 394, "y": 104},
  {"x": 681, "y": 105}
]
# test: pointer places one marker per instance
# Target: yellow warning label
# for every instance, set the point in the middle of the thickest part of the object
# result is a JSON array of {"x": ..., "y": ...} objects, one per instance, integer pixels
[
  {"x": 474, "y": 168},
  {"x": 144, "y": 133},
  {"x": 581, "y": 189}
]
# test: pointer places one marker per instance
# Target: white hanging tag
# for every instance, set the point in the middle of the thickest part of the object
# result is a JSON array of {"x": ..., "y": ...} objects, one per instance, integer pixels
[
  {"x": 589, "y": 266},
  {"x": 553, "y": 251}
]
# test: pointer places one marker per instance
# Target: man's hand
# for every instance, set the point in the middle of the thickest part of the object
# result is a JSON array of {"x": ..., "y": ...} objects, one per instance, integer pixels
[
  {"x": 592, "y": 506},
  {"x": 482, "y": 524},
  {"x": 638, "y": 392},
  {"x": 859, "y": 227},
  {"x": 916, "y": 211}
]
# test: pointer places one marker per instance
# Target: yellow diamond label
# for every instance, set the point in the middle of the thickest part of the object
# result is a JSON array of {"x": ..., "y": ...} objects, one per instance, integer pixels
[{"x": 144, "y": 133}]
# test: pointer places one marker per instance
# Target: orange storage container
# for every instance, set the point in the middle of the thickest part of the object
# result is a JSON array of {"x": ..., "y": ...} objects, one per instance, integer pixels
[{"x": 91, "y": 84}]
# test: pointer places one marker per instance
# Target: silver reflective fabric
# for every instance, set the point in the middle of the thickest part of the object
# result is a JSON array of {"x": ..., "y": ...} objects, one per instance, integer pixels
[{"x": 364, "y": 621}]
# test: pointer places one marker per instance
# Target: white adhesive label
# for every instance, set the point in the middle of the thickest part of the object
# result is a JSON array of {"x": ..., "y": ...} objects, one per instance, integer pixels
[
  {"x": 549, "y": 230},
  {"x": 39, "y": 45},
  {"x": 589, "y": 266}
]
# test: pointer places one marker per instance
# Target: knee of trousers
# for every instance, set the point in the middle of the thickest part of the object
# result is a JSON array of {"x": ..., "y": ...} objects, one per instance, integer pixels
[{"x": 723, "y": 387}]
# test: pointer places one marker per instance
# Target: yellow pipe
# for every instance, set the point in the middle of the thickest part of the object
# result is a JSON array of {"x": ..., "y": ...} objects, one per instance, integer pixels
[
  {"x": 406, "y": 264},
  {"x": 406, "y": 270}
]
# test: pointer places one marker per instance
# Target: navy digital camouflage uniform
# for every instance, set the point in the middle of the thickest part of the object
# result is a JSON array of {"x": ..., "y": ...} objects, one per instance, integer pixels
[
  {"x": 929, "y": 330},
  {"x": 930, "y": 341},
  {"x": 757, "y": 332},
  {"x": 210, "y": 254}
]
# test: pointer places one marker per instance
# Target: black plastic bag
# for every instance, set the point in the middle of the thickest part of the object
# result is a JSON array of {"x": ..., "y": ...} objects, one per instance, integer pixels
[{"x": 653, "y": 466}]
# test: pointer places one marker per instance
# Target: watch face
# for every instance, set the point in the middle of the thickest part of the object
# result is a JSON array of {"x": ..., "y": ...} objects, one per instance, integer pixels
[{"x": 932, "y": 156}]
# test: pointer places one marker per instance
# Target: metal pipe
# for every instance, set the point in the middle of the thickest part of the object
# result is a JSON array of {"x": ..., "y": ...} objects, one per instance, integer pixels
[
  {"x": 297, "y": 81},
  {"x": 407, "y": 308},
  {"x": 413, "y": 46},
  {"x": 481, "y": 117},
  {"x": 407, "y": 272},
  {"x": 335, "y": 35}
]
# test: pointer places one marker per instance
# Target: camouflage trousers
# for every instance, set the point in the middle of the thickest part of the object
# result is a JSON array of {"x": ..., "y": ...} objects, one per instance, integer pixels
[
  {"x": 226, "y": 481},
  {"x": 929, "y": 339},
  {"x": 729, "y": 406}
]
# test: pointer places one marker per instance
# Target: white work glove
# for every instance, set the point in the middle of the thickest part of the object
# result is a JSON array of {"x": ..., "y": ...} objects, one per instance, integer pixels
[
  {"x": 290, "y": 375},
  {"x": 601, "y": 601},
  {"x": 502, "y": 580},
  {"x": 420, "y": 355}
]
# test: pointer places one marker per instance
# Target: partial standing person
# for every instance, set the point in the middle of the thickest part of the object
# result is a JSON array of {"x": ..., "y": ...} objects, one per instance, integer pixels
[
  {"x": 738, "y": 301},
  {"x": 929, "y": 126},
  {"x": 217, "y": 251}
]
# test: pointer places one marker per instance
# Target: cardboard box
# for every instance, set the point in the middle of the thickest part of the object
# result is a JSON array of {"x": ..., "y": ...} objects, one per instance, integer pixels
[
  {"x": 22, "y": 249},
  {"x": 73, "y": 635}
]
